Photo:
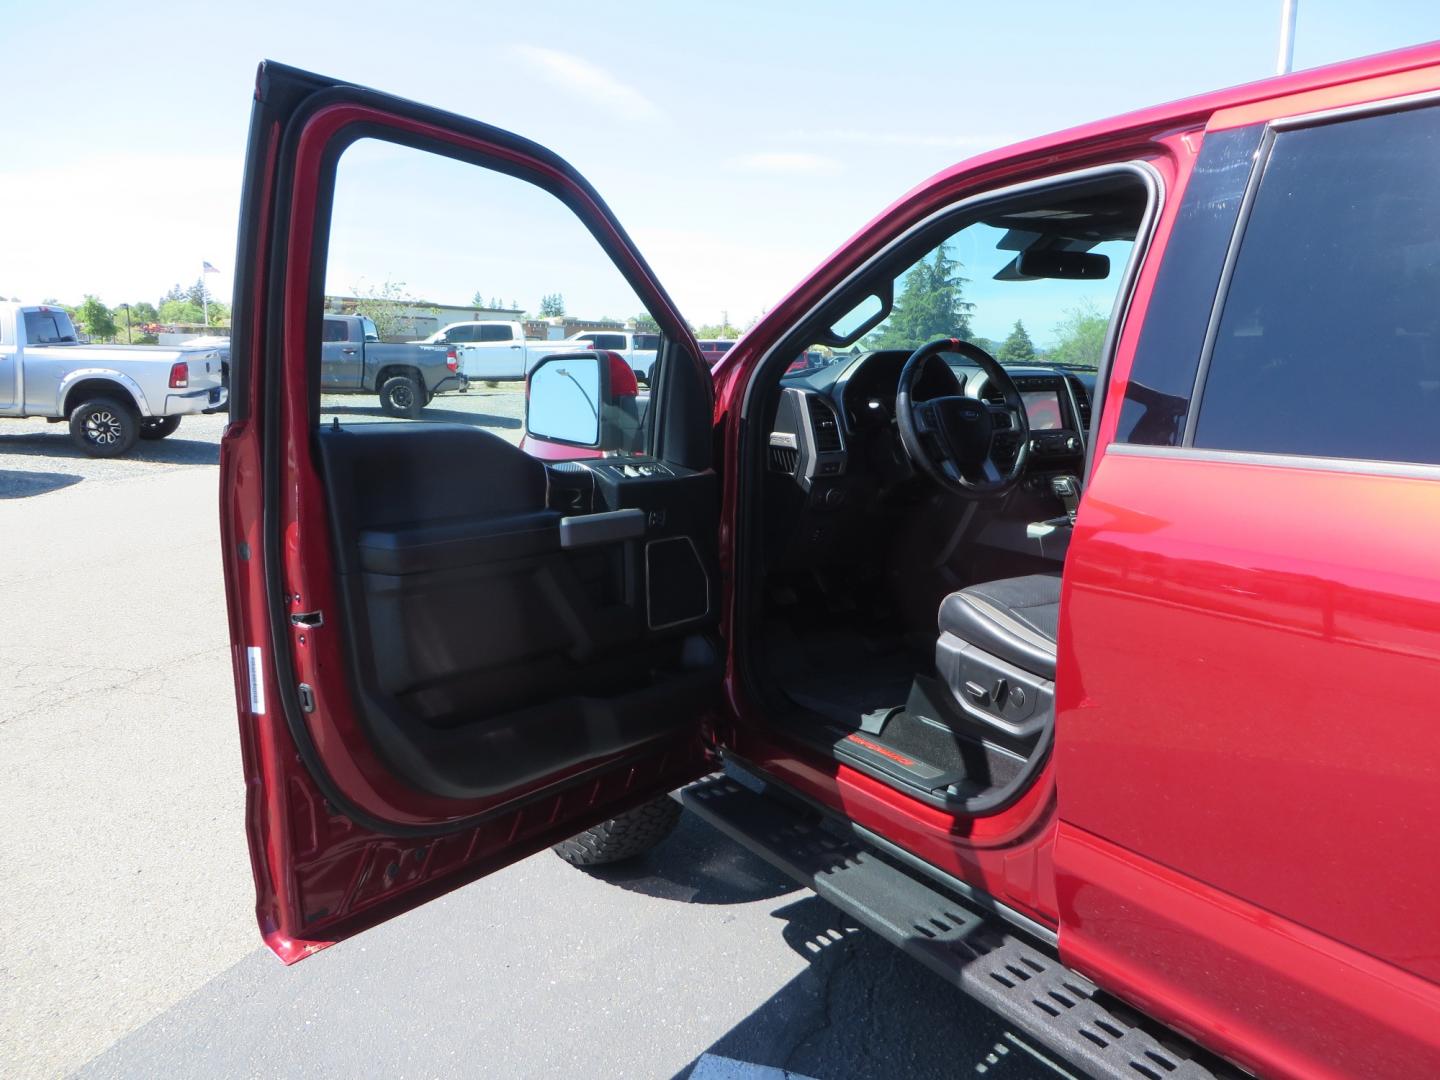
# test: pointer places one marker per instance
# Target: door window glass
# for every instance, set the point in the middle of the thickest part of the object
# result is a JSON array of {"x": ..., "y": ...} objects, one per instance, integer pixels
[
  {"x": 415, "y": 239},
  {"x": 335, "y": 330},
  {"x": 1329, "y": 341}
]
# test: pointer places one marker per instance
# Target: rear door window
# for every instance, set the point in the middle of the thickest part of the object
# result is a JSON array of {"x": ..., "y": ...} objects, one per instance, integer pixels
[
  {"x": 496, "y": 333},
  {"x": 48, "y": 328},
  {"x": 1329, "y": 340}
]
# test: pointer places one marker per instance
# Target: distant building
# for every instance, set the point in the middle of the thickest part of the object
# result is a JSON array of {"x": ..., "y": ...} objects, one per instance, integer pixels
[
  {"x": 421, "y": 318},
  {"x": 564, "y": 326}
]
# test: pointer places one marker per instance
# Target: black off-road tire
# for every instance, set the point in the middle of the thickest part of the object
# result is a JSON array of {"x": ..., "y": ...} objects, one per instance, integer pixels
[
  {"x": 402, "y": 395},
  {"x": 158, "y": 427},
  {"x": 628, "y": 836},
  {"x": 104, "y": 427}
]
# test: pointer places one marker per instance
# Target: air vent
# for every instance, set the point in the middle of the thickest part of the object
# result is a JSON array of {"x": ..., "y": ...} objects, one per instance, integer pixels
[
  {"x": 1082, "y": 399},
  {"x": 827, "y": 427},
  {"x": 784, "y": 459}
]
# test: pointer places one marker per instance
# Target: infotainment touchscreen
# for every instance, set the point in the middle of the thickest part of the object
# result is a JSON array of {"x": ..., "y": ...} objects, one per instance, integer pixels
[{"x": 1042, "y": 408}]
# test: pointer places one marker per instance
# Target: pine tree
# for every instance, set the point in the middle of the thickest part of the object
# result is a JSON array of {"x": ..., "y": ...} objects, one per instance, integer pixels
[
  {"x": 1017, "y": 348},
  {"x": 931, "y": 305}
]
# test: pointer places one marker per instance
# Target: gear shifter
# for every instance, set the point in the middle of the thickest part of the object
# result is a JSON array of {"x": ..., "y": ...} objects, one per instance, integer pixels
[{"x": 1067, "y": 490}]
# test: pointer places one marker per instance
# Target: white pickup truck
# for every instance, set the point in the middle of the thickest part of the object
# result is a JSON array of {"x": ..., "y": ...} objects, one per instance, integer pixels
[
  {"x": 110, "y": 394},
  {"x": 497, "y": 350}
]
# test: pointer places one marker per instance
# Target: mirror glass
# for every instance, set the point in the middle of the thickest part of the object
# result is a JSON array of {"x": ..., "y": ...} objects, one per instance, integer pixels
[{"x": 564, "y": 400}]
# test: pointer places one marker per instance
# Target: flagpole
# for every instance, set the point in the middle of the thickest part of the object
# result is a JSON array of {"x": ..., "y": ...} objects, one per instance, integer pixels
[{"x": 204, "y": 296}]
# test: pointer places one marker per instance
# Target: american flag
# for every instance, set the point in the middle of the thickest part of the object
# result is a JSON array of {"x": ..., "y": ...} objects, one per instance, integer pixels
[{"x": 210, "y": 269}]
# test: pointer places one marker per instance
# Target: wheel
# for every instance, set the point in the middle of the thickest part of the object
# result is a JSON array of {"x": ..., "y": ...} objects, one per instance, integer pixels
[
  {"x": 402, "y": 395},
  {"x": 104, "y": 427},
  {"x": 628, "y": 836},
  {"x": 157, "y": 427}
]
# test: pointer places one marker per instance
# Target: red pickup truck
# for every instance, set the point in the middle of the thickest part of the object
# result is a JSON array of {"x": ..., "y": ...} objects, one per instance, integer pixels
[{"x": 1108, "y": 694}]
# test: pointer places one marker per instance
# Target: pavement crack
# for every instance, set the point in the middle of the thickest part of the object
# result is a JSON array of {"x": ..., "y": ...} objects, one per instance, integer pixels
[{"x": 825, "y": 1013}]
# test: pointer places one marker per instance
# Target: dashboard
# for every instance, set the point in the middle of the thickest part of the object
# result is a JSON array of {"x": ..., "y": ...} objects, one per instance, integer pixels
[
  {"x": 843, "y": 481},
  {"x": 825, "y": 418}
]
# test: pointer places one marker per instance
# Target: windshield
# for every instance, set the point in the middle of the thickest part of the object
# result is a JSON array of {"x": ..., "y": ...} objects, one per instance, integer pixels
[
  {"x": 49, "y": 327},
  {"x": 1031, "y": 287}
]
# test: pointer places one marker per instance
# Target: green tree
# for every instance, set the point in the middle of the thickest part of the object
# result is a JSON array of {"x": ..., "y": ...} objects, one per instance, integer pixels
[
  {"x": 180, "y": 310},
  {"x": 391, "y": 308},
  {"x": 1080, "y": 337},
  {"x": 96, "y": 319},
  {"x": 144, "y": 312},
  {"x": 717, "y": 330},
  {"x": 477, "y": 300},
  {"x": 931, "y": 305},
  {"x": 552, "y": 305},
  {"x": 644, "y": 324},
  {"x": 199, "y": 294},
  {"x": 1017, "y": 348}
]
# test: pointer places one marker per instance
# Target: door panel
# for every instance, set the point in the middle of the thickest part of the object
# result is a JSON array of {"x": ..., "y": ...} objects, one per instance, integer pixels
[
  {"x": 494, "y": 360},
  {"x": 8, "y": 378},
  {"x": 1264, "y": 697},
  {"x": 341, "y": 364},
  {"x": 466, "y": 599},
  {"x": 1250, "y": 626},
  {"x": 434, "y": 676}
]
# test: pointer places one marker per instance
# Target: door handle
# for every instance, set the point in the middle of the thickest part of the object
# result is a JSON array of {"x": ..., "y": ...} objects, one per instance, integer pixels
[
  {"x": 515, "y": 346},
  {"x": 348, "y": 352}
]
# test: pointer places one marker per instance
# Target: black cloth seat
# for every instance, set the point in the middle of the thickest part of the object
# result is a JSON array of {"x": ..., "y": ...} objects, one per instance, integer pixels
[{"x": 1015, "y": 619}]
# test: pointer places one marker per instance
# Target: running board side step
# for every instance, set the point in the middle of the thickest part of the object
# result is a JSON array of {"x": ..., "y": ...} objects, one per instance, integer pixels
[{"x": 1022, "y": 982}]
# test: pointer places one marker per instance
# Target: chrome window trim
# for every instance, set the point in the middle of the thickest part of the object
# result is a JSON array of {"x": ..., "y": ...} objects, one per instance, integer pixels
[
  {"x": 1411, "y": 470},
  {"x": 1357, "y": 110}
]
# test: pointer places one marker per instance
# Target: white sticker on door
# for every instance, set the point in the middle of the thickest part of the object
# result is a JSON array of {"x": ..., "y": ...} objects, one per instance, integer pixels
[{"x": 257, "y": 681}]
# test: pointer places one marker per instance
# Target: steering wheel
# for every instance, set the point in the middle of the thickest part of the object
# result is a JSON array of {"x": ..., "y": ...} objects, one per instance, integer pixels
[{"x": 953, "y": 437}]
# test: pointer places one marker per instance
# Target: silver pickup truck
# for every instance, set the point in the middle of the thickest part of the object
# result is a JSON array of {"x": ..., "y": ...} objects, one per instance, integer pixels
[{"x": 110, "y": 394}]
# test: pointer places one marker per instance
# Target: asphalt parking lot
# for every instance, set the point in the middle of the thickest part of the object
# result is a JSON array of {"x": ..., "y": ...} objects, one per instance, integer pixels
[{"x": 128, "y": 946}]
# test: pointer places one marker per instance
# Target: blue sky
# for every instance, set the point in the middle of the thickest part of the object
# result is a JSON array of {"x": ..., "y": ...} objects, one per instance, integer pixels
[{"x": 739, "y": 143}]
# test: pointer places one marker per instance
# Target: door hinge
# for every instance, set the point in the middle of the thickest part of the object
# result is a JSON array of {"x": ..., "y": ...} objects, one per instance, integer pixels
[{"x": 307, "y": 618}]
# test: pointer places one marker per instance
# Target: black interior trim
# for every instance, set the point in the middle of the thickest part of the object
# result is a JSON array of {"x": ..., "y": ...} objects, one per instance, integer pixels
[{"x": 764, "y": 381}]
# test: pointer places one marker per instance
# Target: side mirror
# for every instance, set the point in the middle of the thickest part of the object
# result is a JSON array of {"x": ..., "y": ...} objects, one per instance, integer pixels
[{"x": 584, "y": 399}]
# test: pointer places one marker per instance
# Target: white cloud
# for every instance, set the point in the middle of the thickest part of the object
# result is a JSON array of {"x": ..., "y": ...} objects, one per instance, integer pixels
[
  {"x": 594, "y": 84},
  {"x": 786, "y": 163}
]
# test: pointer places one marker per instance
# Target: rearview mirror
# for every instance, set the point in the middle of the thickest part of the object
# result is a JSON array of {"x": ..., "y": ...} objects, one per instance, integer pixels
[{"x": 1066, "y": 265}]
